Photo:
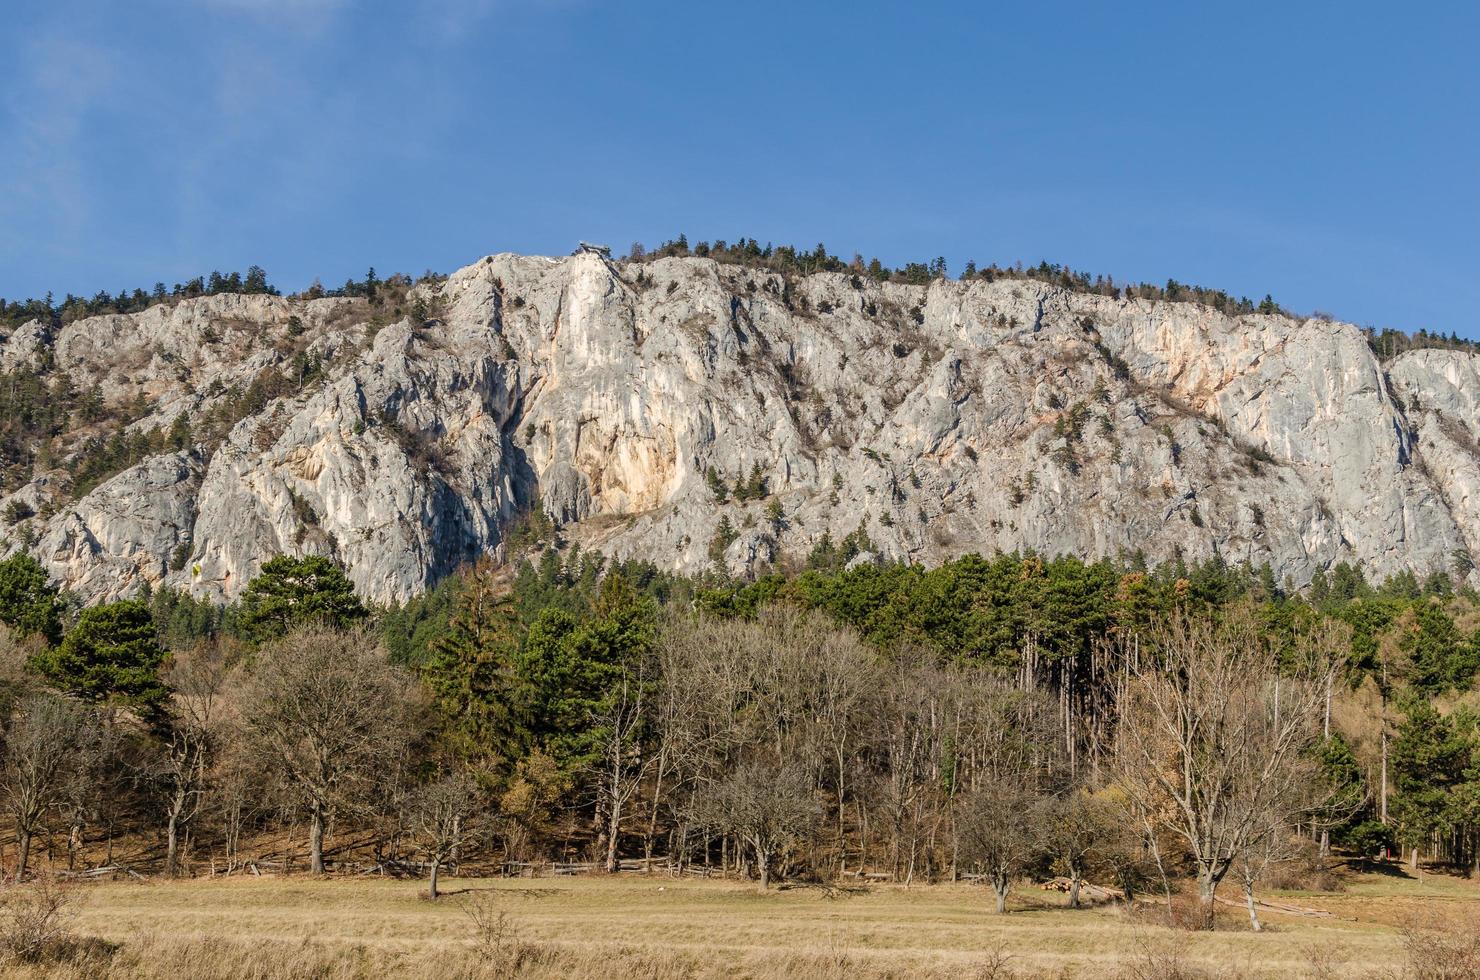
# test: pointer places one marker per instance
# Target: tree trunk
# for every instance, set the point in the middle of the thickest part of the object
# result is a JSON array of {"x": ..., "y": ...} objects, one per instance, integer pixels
[
  {"x": 432, "y": 881},
  {"x": 1073, "y": 890},
  {"x": 1254, "y": 922},
  {"x": 1000, "y": 885},
  {"x": 172, "y": 846},
  {"x": 763, "y": 865},
  {"x": 316, "y": 842},
  {"x": 1207, "y": 886},
  {"x": 23, "y": 854},
  {"x": 611, "y": 836}
]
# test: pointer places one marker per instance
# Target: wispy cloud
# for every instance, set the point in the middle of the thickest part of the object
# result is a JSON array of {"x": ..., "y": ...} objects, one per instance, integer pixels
[
  {"x": 453, "y": 20},
  {"x": 44, "y": 193}
]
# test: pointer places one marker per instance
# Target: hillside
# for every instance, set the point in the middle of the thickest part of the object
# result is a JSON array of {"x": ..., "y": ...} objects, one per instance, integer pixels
[{"x": 684, "y": 410}]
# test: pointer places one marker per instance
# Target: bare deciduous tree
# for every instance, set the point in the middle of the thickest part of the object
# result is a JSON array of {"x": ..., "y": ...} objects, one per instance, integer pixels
[
  {"x": 999, "y": 831},
  {"x": 771, "y": 809},
  {"x": 45, "y": 737},
  {"x": 625, "y": 726},
  {"x": 440, "y": 821},
  {"x": 1073, "y": 825},
  {"x": 329, "y": 712},
  {"x": 181, "y": 770},
  {"x": 1213, "y": 737}
]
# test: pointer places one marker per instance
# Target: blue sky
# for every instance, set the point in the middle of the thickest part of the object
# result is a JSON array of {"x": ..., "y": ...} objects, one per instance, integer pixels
[{"x": 1323, "y": 152}]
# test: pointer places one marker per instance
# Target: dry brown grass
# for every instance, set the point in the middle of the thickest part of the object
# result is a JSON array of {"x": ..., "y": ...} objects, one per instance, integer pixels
[{"x": 660, "y": 928}]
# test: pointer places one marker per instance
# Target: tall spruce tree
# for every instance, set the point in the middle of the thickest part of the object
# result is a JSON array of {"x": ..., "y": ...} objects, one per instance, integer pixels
[{"x": 470, "y": 672}]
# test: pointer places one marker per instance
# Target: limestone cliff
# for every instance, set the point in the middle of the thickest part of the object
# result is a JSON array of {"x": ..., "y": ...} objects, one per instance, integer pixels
[{"x": 943, "y": 419}]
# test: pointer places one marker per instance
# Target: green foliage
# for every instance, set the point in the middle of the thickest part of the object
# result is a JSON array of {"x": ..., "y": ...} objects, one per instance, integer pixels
[
  {"x": 28, "y": 603},
  {"x": 1438, "y": 656},
  {"x": 111, "y": 655},
  {"x": 1430, "y": 756},
  {"x": 754, "y": 487},
  {"x": 529, "y": 530},
  {"x": 78, "y": 307},
  {"x": 469, "y": 671},
  {"x": 569, "y": 670},
  {"x": 716, "y": 485},
  {"x": 410, "y": 631},
  {"x": 829, "y": 557},
  {"x": 1346, "y": 784},
  {"x": 292, "y": 592},
  {"x": 724, "y": 536},
  {"x": 788, "y": 260},
  {"x": 182, "y": 621},
  {"x": 1369, "y": 838}
]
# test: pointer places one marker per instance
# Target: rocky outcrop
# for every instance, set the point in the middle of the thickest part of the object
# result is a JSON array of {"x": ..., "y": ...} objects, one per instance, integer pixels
[{"x": 938, "y": 420}]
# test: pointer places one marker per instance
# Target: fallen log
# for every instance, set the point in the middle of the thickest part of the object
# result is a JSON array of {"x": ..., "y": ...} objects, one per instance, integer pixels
[{"x": 1281, "y": 907}]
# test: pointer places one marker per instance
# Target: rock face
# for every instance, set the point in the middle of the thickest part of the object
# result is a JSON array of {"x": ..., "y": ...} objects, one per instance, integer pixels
[{"x": 938, "y": 420}]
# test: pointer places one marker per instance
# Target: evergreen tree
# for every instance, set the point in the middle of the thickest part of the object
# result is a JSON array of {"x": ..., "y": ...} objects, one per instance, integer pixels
[
  {"x": 470, "y": 671},
  {"x": 111, "y": 655},
  {"x": 568, "y": 669},
  {"x": 292, "y": 592},
  {"x": 28, "y": 603},
  {"x": 1429, "y": 758}
]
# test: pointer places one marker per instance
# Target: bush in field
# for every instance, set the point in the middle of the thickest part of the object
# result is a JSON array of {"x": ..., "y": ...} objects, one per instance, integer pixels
[
  {"x": 36, "y": 921},
  {"x": 1441, "y": 948}
]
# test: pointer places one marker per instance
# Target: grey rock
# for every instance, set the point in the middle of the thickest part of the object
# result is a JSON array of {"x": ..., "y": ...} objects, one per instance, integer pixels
[{"x": 938, "y": 419}]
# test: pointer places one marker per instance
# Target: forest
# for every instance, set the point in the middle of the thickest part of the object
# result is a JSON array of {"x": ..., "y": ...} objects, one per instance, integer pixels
[{"x": 997, "y": 719}]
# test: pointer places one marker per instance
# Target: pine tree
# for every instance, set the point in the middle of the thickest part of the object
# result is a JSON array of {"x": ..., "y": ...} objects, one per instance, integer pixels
[
  {"x": 28, "y": 603},
  {"x": 111, "y": 655},
  {"x": 293, "y": 592}
]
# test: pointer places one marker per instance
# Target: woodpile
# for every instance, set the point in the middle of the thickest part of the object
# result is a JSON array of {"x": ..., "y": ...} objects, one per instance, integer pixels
[{"x": 1091, "y": 892}]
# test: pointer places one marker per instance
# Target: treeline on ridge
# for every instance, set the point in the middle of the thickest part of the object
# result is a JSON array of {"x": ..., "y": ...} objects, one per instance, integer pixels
[{"x": 786, "y": 259}]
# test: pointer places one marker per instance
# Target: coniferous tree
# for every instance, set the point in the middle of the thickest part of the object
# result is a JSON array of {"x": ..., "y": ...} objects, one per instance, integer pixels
[
  {"x": 28, "y": 603},
  {"x": 111, "y": 655},
  {"x": 292, "y": 592},
  {"x": 470, "y": 672}
]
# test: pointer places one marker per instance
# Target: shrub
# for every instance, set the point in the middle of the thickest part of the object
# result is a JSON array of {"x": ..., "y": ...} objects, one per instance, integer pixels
[
  {"x": 496, "y": 937},
  {"x": 36, "y": 921},
  {"x": 1442, "y": 949}
]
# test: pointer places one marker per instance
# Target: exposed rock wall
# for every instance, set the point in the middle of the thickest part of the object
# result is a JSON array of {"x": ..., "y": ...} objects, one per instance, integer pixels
[{"x": 943, "y": 419}]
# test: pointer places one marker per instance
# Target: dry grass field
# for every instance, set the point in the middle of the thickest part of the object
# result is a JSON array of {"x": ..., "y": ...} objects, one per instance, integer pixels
[{"x": 660, "y": 928}]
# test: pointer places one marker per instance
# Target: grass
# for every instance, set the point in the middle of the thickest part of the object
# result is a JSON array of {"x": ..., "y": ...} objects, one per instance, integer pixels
[{"x": 662, "y": 928}]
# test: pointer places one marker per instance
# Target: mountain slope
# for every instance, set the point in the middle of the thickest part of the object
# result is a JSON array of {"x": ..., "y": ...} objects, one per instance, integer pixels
[{"x": 938, "y": 419}]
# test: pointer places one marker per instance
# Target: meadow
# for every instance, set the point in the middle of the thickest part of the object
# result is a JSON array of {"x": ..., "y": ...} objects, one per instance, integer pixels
[{"x": 659, "y": 927}]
